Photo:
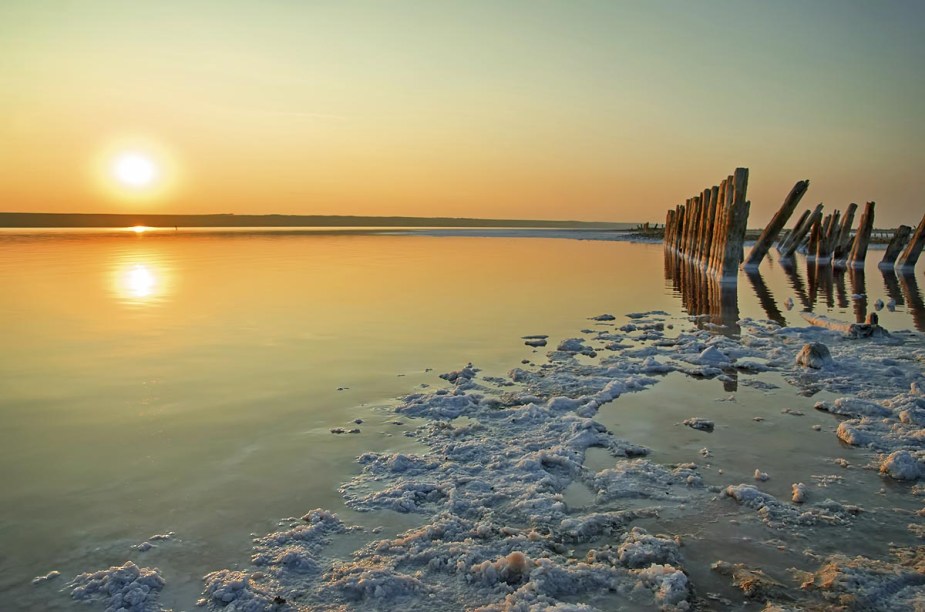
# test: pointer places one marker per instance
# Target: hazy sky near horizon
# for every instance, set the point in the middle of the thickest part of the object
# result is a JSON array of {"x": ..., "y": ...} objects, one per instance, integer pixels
[{"x": 604, "y": 110}]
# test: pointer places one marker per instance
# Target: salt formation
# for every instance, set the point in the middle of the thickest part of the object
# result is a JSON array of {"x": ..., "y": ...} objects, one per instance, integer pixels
[
  {"x": 496, "y": 531},
  {"x": 127, "y": 588}
]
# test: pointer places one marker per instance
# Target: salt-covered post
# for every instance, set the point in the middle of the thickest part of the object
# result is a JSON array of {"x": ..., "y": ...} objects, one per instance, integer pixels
[
  {"x": 865, "y": 227},
  {"x": 899, "y": 240},
  {"x": 770, "y": 233},
  {"x": 910, "y": 256}
]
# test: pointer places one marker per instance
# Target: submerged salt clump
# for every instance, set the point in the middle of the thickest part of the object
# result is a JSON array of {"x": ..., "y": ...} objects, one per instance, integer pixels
[
  {"x": 127, "y": 587},
  {"x": 699, "y": 424},
  {"x": 799, "y": 493},
  {"x": 46, "y": 577}
]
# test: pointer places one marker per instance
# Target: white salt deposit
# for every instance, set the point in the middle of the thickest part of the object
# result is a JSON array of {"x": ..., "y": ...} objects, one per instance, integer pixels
[
  {"x": 128, "y": 587},
  {"x": 496, "y": 530}
]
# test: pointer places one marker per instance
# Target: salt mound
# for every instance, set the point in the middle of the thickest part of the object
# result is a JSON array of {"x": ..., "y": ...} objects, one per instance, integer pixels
[{"x": 127, "y": 588}]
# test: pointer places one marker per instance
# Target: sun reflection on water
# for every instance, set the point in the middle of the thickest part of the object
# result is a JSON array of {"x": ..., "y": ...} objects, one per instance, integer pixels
[{"x": 140, "y": 281}]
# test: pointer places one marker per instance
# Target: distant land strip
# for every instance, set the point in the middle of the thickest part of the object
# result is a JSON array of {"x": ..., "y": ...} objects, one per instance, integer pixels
[{"x": 36, "y": 220}]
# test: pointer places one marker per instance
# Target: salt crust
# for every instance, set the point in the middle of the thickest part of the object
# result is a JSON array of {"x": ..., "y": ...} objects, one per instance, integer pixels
[{"x": 497, "y": 533}]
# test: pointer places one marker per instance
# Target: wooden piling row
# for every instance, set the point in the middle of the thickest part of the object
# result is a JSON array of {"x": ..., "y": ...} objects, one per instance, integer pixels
[{"x": 709, "y": 228}]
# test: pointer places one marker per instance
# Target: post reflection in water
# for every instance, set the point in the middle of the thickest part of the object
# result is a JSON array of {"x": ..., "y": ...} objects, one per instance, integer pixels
[
  {"x": 821, "y": 279},
  {"x": 840, "y": 289},
  {"x": 766, "y": 298},
  {"x": 914, "y": 302},
  {"x": 793, "y": 277},
  {"x": 702, "y": 296},
  {"x": 859, "y": 291},
  {"x": 891, "y": 284},
  {"x": 139, "y": 279}
]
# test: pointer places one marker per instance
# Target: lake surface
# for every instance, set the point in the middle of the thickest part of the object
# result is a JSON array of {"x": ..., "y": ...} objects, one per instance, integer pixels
[{"x": 188, "y": 381}]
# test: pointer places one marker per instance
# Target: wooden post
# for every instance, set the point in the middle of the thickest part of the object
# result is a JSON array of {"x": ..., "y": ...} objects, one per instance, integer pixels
[
  {"x": 827, "y": 243},
  {"x": 786, "y": 238},
  {"x": 900, "y": 238},
  {"x": 910, "y": 256},
  {"x": 719, "y": 229},
  {"x": 801, "y": 233},
  {"x": 769, "y": 235},
  {"x": 702, "y": 222},
  {"x": 709, "y": 220},
  {"x": 815, "y": 235},
  {"x": 865, "y": 227},
  {"x": 736, "y": 222},
  {"x": 843, "y": 245},
  {"x": 679, "y": 227}
]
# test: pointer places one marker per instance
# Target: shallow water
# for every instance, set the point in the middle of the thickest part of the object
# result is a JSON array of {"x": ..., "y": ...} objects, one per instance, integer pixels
[{"x": 188, "y": 382}]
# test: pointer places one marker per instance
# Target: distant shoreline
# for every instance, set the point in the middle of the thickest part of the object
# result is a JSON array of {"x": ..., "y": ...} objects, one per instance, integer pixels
[{"x": 90, "y": 220}]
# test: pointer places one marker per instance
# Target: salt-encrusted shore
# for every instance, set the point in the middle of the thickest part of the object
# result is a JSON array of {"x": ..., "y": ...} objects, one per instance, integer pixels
[{"x": 496, "y": 530}]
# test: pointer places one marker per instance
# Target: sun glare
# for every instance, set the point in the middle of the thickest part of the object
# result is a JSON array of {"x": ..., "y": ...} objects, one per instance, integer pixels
[{"x": 134, "y": 170}]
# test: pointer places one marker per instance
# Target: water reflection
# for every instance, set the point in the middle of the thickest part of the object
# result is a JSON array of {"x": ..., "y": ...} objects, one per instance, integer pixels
[
  {"x": 140, "y": 279},
  {"x": 766, "y": 298},
  {"x": 856, "y": 278},
  {"x": 714, "y": 304},
  {"x": 796, "y": 283},
  {"x": 913, "y": 295}
]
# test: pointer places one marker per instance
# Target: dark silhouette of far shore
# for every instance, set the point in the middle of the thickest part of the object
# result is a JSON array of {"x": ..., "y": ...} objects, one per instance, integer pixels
[{"x": 38, "y": 220}]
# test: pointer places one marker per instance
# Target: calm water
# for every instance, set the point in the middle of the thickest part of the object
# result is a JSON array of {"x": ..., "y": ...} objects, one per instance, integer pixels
[{"x": 187, "y": 382}]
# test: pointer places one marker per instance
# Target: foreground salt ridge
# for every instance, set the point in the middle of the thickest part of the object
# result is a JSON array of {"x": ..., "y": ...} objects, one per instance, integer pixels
[{"x": 496, "y": 530}]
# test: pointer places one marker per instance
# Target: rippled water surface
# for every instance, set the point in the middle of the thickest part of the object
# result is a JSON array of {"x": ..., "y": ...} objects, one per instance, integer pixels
[{"x": 188, "y": 382}]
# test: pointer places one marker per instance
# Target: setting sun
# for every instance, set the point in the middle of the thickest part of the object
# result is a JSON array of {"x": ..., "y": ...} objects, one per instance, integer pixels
[{"x": 134, "y": 170}]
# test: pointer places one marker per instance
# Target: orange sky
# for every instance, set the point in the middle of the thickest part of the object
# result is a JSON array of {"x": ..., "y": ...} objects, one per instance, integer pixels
[{"x": 594, "y": 111}]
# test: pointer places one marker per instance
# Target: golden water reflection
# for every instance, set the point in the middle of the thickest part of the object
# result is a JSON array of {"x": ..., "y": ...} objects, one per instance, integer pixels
[{"x": 140, "y": 280}]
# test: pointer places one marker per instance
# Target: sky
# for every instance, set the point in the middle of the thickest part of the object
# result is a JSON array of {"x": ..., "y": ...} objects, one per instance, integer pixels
[{"x": 598, "y": 111}]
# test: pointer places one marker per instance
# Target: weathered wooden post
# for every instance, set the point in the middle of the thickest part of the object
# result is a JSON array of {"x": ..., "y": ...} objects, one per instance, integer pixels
[
  {"x": 899, "y": 240},
  {"x": 910, "y": 256},
  {"x": 786, "y": 237},
  {"x": 827, "y": 241},
  {"x": 815, "y": 235},
  {"x": 709, "y": 219},
  {"x": 769, "y": 235},
  {"x": 736, "y": 222},
  {"x": 719, "y": 231},
  {"x": 799, "y": 233},
  {"x": 861, "y": 240},
  {"x": 843, "y": 243}
]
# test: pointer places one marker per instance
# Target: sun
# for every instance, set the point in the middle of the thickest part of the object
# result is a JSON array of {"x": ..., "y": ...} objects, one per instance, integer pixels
[{"x": 134, "y": 170}]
